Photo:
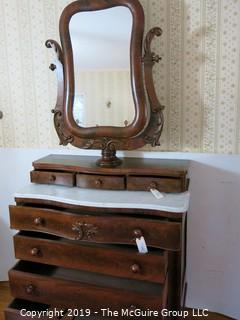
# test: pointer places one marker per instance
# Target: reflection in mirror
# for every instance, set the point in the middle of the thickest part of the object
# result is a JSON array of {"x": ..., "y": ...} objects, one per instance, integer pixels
[{"x": 101, "y": 54}]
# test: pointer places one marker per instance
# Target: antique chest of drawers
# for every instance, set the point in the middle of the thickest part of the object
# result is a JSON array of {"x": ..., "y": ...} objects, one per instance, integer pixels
[{"x": 78, "y": 236}]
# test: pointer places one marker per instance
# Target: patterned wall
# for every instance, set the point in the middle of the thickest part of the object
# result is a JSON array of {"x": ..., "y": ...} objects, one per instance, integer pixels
[{"x": 198, "y": 79}]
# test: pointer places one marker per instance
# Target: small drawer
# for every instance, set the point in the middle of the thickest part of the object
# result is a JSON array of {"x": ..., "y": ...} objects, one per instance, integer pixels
[
  {"x": 100, "y": 182},
  {"x": 78, "y": 289},
  {"x": 101, "y": 229},
  {"x": 110, "y": 260},
  {"x": 53, "y": 177},
  {"x": 163, "y": 184}
]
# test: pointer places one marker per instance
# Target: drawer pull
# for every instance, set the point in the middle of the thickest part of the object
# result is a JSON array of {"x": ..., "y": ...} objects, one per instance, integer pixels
[
  {"x": 38, "y": 221},
  {"x": 138, "y": 233},
  {"x": 30, "y": 289},
  {"x": 98, "y": 183},
  {"x": 153, "y": 185},
  {"x": 132, "y": 308},
  {"x": 84, "y": 230},
  {"x": 135, "y": 268},
  {"x": 35, "y": 252},
  {"x": 52, "y": 178}
]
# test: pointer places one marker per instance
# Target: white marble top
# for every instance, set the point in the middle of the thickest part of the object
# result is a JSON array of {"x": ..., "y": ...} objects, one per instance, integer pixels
[{"x": 171, "y": 202}]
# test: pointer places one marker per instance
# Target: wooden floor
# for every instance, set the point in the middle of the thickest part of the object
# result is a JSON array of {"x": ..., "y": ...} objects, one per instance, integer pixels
[{"x": 5, "y": 299}]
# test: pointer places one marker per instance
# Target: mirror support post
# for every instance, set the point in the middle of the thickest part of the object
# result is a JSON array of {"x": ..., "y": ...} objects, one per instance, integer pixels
[{"x": 109, "y": 158}]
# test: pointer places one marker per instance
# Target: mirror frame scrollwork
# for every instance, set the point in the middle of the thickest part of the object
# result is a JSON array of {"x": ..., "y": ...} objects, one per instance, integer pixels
[{"x": 147, "y": 125}]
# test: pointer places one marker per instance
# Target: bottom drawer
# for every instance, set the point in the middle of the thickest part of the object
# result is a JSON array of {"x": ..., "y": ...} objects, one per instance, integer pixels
[
  {"x": 23, "y": 309},
  {"x": 16, "y": 310},
  {"x": 76, "y": 289}
]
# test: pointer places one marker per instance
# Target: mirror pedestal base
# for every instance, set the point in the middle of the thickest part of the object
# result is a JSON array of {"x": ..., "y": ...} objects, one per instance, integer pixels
[{"x": 109, "y": 159}]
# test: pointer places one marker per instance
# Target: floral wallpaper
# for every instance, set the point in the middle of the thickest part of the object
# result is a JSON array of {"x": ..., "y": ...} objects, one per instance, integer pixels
[{"x": 198, "y": 79}]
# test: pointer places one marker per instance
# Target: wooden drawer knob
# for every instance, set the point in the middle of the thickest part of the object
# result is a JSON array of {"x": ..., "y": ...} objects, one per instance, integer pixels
[
  {"x": 132, "y": 308},
  {"x": 98, "y": 182},
  {"x": 153, "y": 185},
  {"x": 30, "y": 289},
  {"x": 138, "y": 233},
  {"x": 35, "y": 252},
  {"x": 135, "y": 268},
  {"x": 38, "y": 221},
  {"x": 52, "y": 178}
]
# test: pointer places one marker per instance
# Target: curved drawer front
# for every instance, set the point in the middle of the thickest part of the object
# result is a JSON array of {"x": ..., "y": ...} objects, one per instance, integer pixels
[
  {"x": 118, "y": 262},
  {"x": 64, "y": 287},
  {"x": 102, "y": 229}
]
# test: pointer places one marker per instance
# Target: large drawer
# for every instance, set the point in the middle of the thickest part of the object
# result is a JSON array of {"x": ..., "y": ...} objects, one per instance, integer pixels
[
  {"x": 46, "y": 312},
  {"x": 76, "y": 289},
  {"x": 101, "y": 229},
  {"x": 53, "y": 177},
  {"x": 111, "y": 260}
]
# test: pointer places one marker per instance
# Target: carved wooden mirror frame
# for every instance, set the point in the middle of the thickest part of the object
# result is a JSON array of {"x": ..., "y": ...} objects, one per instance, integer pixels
[{"x": 148, "y": 122}]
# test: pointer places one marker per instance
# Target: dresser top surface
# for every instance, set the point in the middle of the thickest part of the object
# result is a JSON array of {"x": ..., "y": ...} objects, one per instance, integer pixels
[
  {"x": 166, "y": 167},
  {"x": 177, "y": 203}
]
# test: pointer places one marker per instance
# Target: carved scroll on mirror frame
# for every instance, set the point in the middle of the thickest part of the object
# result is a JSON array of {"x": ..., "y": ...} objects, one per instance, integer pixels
[{"x": 147, "y": 125}]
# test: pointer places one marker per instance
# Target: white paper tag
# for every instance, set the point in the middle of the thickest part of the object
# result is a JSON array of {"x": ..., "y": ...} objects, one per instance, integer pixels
[
  {"x": 141, "y": 244},
  {"x": 157, "y": 194}
]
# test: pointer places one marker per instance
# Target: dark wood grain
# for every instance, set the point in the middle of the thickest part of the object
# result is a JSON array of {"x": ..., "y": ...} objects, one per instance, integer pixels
[
  {"x": 109, "y": 260},
  {"x": 102, "y": 229},
  {"x": 38, "y": 283},
  {"x": 14, "y": 307},
  {"x": 53, "y": 177},
  {"x": 133, "y": 174},
  {"x": 97, "y": 181},
  {"x": 162, "y": 184},
  {"x": 87, "y": 164}
]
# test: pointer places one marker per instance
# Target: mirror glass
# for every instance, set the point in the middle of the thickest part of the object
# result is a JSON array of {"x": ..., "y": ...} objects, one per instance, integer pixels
[{"x": 101, "y": 54}]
